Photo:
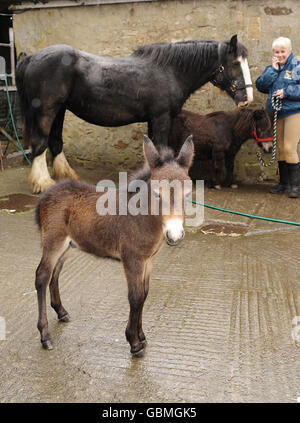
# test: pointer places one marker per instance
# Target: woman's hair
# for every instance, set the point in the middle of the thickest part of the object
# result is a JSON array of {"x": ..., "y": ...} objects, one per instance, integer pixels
[{"x": 282, "y": 42}]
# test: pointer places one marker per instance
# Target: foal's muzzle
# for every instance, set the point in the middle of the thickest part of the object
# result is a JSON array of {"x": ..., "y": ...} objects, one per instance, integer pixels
[
  {"x": 170, "y": 241},
  {"x": 173, "y": 232}
]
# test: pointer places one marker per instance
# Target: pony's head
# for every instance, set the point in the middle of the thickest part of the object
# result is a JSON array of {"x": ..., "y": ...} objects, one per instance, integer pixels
[
  {"x": 262, "y": 130},
  {"x": 233, "y": 74},
  {"x": 168, "y": 186}
]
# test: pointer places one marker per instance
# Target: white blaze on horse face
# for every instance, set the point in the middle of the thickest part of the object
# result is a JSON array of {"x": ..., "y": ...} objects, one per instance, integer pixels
[
  {"x": 173, "y": 230},
  {"x": 247, "y": 78}
]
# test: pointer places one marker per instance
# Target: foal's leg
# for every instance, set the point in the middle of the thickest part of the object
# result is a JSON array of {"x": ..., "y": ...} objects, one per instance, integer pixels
[
  {"x": 61, "y": 167},
  {"x": 43, "y": 275},
  {"x": 135, "y": 270},
  {"x": 148, "y": 269},
  {"x": 63, "y": 315}
]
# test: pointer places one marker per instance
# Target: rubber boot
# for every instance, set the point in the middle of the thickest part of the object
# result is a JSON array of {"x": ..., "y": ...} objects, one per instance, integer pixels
[
  {"x": 283, "y": 185},
  {"x": 294, "y": 171}
]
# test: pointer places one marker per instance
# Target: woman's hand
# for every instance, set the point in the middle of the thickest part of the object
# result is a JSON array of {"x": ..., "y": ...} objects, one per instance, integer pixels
[
  {"x": 275, "y": 63},
  {"x": 279, "y": 93}
]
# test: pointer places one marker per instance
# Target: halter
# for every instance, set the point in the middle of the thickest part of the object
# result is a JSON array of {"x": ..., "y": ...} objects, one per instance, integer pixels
[
  {"x": 254, "y": 135},
  {"x": 228, "y": 83}
]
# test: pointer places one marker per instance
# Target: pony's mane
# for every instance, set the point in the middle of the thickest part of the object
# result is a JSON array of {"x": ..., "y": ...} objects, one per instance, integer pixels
[
  {"x": 242, "y": 118},
  {"x": 184, "y": 54},
  {"x": 166, "y": 155},
  {"x": 243, "y": 114}
]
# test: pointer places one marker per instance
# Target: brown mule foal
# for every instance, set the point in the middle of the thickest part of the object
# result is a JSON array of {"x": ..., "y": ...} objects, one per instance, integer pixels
[{"x": 68, "y": 216}]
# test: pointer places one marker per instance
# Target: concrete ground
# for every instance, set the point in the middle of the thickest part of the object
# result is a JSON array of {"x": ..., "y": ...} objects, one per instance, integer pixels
[{"x": 220, "y": 317}]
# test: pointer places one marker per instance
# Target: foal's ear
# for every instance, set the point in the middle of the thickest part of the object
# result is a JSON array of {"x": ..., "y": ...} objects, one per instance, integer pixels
[
  {"x": 233, "y": 44},
  {"x": 151, "y": 154},
  {"x": 186, "y": 154}
]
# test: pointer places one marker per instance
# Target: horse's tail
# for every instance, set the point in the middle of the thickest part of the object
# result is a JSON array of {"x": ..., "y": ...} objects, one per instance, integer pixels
[{"x": 24, "y": 101}]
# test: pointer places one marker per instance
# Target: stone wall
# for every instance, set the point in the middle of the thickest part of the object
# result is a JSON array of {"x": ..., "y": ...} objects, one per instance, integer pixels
[{"x": 117, "y": 29}]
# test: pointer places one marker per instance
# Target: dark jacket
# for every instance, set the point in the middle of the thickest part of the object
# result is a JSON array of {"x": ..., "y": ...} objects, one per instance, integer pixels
[{"x": 288, "y": 78}]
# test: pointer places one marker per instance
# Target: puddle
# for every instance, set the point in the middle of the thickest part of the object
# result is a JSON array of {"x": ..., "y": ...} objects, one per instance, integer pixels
[
  {"x": 224, "y": 229},
  {"x": 15, "y": 203}
]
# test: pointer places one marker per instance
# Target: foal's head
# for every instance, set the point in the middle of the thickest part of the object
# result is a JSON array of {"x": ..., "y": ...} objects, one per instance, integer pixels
[
  {"x": 263, "y": 130},
  {"x": 168, "y": 185}
]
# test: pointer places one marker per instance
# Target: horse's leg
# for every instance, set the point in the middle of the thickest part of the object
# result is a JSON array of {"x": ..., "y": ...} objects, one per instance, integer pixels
[
  {"x": 161, "y": 129},
  {"x": 61, "y": 167},
  {"x": 150, "y": 130},
  {"x": 39, "y": 177},
  {"x": 229, "y": 166},
  {"x": 134, "y": 268},
  {"x": 63, "y": 315},
  {"x": 43, "y": 275},
  {"x": 217, "y": 161},
  {"x": 148, "y": 269}
]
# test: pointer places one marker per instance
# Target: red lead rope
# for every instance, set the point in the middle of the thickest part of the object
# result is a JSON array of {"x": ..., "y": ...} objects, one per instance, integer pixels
[{"x": 254, "y": 135}]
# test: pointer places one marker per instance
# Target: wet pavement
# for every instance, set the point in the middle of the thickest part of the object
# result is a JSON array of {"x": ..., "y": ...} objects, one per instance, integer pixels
[{"x": 220, "y": 318}]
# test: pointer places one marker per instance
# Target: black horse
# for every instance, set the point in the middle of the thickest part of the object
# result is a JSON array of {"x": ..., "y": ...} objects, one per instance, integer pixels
[{"x": 151, "y": 85}]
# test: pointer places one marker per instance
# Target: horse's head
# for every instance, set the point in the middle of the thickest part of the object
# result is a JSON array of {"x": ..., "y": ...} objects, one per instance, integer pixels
[
  {"x": 233, "y": 74},
  {"x": 169, "y": 187},
  {"x": 262, "y": 130}
]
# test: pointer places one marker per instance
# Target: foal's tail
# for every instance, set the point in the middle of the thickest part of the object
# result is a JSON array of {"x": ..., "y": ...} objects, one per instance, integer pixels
[
  {"x": 37, "y": 215},
  {"x": 44, "y": 196},
  {"x": 26, "y": 110}
]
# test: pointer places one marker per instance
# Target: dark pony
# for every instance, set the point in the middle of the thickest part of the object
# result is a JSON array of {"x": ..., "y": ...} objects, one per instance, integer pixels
[
  {"x": 151, "y": 85},
  {"x": 68, "y": 215},
  {"x": 218, "y": 136}
]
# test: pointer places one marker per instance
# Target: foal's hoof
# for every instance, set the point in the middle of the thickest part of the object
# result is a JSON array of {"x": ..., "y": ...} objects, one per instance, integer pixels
[
  {"x": 234, "y": 186},
  {"x": 64, "y": 319},
  {"x": 47, "y": 345},
  {"x": 138, "y": 350},
  {"x": 217, "y": 187}
]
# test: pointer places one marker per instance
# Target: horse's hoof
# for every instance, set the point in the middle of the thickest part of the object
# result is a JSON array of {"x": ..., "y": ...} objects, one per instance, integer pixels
[
  {"x": 38, "y": 187},
  {"x": 233, "y": 186},
  {"x": 217, "y": 187},
  {"x": 64, "y": 319},
  {"x": 47, "y": 345}
]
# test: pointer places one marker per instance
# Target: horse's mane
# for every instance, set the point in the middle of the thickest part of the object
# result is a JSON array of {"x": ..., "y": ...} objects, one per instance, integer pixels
[
  {"x": 166, "y": 155},
  {"x": 184, "y": 54}
]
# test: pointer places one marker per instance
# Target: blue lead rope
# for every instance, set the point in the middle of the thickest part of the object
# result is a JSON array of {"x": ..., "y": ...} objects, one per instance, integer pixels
[{"x": 287, "y": 222}]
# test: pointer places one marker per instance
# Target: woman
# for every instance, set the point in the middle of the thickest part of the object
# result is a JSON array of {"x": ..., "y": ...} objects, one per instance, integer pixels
[{"x": 282, "y": 79}]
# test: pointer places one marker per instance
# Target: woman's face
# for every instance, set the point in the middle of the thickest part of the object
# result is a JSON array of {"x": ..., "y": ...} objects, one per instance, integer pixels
[{"x": 282, "y": 54}]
